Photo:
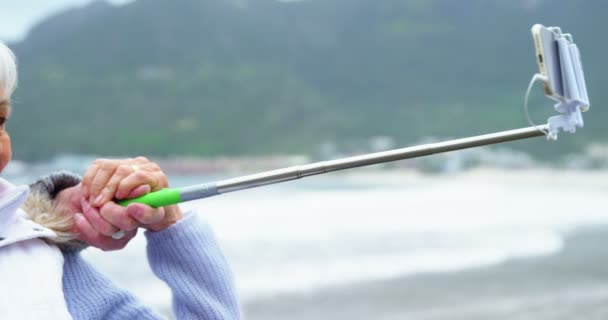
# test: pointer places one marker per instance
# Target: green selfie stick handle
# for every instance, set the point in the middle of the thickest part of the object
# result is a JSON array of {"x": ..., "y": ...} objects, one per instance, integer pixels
[
  {"x": 161, "y": 198},
  {"x": 170, "y": 196}
]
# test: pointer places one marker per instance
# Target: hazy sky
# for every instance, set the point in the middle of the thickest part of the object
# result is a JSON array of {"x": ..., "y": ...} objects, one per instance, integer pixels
[{"x": 17, "y": 16}]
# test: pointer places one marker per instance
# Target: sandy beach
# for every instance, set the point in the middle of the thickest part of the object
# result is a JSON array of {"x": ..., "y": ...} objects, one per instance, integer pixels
[{"x": 572, "y": 284}]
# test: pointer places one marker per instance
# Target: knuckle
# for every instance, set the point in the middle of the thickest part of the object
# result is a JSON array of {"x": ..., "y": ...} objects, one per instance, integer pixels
[
  {"x": 90, "y": 172},
  {"x": 140, "y": 175},
  {"x": 107, "y": 165},
  {"x": 102, "y": 162},
  {"x": 157, "y": 215},
  {"x": 91, "y": 168},
  {"x": 149, "y": 217},
  {"x": 163, "y": 182},
  {"x": 124, "y": 169},
  {"x": 142, "y": 159},
  {"x": 113, "y": 164},
  {"x": 122, "y": 186}
]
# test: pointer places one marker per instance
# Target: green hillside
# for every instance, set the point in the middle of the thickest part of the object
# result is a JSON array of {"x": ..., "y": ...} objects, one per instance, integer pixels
[{"x": 209, "y": 77}]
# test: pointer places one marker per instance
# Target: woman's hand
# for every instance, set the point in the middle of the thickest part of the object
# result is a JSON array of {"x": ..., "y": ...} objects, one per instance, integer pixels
[
  {"x": 99, "y": 218},
  {"x": 124, "y": 179},
  {"x": 107, "y": 179},
  {"x": 93, "y": 229},
  {"x": 70, "y": 202}
]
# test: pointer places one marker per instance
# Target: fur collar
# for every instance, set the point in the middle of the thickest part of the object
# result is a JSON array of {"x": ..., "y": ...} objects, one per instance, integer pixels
[{"x": 37, "y": 218}]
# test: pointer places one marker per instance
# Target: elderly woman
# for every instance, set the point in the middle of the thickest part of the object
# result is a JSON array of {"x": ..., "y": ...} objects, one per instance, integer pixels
[{"x": 42, "y": 273}]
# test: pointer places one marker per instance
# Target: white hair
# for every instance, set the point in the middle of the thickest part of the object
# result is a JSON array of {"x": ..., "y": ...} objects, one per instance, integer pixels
[{"x": 8, "y": 70}]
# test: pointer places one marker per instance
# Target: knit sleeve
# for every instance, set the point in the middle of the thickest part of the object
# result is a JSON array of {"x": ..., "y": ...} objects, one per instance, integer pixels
[
  {"x": 90, "y": 295},
  {"x": 187, "y": 257}
]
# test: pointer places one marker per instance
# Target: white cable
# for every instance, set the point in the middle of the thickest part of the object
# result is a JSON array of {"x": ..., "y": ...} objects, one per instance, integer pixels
[{"x": 536, "y": 77}]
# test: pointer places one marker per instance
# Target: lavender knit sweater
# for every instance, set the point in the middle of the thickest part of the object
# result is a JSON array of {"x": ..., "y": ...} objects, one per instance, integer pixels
[{"x": 185, "y": 256}]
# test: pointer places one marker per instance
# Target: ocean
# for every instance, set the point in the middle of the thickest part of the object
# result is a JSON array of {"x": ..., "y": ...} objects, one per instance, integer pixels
[{"x": 342, "y": 229}]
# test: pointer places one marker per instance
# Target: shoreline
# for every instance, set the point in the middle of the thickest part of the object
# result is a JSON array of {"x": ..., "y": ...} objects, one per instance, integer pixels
[{"x": 559, "y": 286}]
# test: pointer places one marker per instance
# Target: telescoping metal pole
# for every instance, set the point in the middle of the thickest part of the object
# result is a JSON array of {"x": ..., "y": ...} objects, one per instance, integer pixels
[{"x": 171, "y": 196}]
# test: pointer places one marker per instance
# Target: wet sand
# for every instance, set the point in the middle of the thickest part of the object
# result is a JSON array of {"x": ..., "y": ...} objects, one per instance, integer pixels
[{"x": 572, "y": 284}]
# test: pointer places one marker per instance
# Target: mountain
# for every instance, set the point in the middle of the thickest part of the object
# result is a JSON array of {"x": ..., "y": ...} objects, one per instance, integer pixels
[{"x": 210, "y": 77}]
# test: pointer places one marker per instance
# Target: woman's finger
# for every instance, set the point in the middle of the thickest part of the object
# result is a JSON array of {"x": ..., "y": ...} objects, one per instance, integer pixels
[
  {"x": 137, "y": 179},
  {"x": 89, "y": 235},
  {"x": 85, "y": 230},
  {"x": 103, "y": 175},
  {"x": 88, "y": 178},
  {"x": 102, "y": 179},
  {"x": 109, "y": 191},
  {"x": 139, "y": 191},
  {"x": 118, "y": 216},
  {"x": 96, "y": 220},
  {"x": 145, "y": 214}
]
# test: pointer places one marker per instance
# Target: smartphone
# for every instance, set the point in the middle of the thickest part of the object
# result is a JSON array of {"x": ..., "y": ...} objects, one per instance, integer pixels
[{"x": 548, "y": 59}]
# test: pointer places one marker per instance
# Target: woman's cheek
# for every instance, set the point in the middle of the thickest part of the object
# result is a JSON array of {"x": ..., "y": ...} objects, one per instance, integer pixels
[{"x": 5, "y": 150}]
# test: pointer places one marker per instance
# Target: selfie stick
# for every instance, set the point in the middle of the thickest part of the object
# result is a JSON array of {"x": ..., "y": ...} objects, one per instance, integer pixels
[
  {"x": 171, "y": 196},
  {"x": 570, "y": 103}
]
